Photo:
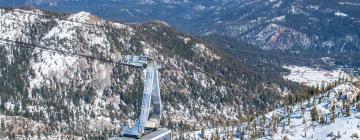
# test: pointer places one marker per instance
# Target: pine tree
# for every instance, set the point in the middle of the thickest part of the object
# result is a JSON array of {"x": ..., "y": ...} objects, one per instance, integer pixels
[
  {"x": 255, "y": 129},
  {"x": 263, "y": 123},
  {"x": 304, "y": 120},
  {"x": 217, "y": 135},
  {"x": 38, "y": 134},
  {"x": 333, "y": 112},
  {"x": 187, "y": 136},
  {"x": 242, "y": 134},
  {"x": 320, "y": 99},
  {"x": 213, "y": 137},
  {"x": 230, "y": 135},
  {"x": 181, "y": 134},
  {"x": 105, "y": 133},
  {"x": 2, "y": 125},
  {"x": 314, "y": 114},
  {"x": 321, "y": 119},
  {"x": 305, "y": 126},
  {"x": 346, "y": 107},
  {"x": 358, "y": 107},
  {"x": 274, "y": 124},
  {"x": 203, "y": 132},
  {"x": 285, "y": 138}
]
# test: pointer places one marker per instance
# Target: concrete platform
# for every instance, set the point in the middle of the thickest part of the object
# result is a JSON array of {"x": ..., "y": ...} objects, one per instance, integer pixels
[{"x": 159, "y": 134}]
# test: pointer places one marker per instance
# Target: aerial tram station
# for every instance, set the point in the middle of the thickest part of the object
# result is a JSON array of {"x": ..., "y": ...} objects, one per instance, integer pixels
[{"x": 148, "y": 123}]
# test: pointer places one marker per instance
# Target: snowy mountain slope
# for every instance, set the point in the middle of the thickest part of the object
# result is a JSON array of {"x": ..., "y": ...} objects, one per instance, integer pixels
[
  {"x": 345, "y": 127},
  {"x": 294, "y": 122},
  {"x": 87, "y": 97}
]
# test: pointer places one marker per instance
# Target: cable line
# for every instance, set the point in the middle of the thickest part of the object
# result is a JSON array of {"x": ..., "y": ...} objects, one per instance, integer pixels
[{"x": 34, "y": 46}]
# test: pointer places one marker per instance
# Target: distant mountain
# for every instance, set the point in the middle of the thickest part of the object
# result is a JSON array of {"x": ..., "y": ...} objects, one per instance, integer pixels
[
  {"x": 296, "y": 27},
  {"x": 55, "y": 91},
  {"x": 325, "y": 26}
]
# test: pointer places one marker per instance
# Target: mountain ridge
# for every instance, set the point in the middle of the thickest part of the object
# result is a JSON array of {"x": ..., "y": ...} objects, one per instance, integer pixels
[{"x": 301, "y": 26}]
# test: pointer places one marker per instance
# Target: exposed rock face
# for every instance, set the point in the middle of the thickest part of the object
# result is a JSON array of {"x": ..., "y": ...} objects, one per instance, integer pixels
[{"x": 279, "y": 37}]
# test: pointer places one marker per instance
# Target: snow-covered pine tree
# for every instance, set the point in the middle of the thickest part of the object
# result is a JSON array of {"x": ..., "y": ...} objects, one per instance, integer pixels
[
  {"x": 333, "y": 111},
  {"x": 314, "y": 114},
  {"x": 346, "y": 108}
]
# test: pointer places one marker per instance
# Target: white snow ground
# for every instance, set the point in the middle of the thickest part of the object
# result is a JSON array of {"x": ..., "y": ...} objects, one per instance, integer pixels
[
  {"x": 312, "y": 76},
  {"x": 343, "y": 128}
]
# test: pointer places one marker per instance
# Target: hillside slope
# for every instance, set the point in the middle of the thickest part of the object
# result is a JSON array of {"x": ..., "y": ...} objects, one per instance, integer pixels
[
  {"x": 56, "y": 91},
  {"x": 334, "y": 114}
]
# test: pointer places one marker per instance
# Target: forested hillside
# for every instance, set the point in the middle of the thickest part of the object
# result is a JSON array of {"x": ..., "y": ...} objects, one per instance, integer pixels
[{"x": 60, "y": 77}]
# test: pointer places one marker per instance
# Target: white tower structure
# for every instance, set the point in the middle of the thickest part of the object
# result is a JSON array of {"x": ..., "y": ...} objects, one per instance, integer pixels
[{"x": 151, "y": 96}]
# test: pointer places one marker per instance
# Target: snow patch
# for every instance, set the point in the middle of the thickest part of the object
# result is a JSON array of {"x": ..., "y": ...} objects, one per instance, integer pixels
[
  {"x": 50, "y": 64},
  {"x": 146, "y": 2},
  {"x": 279, "y": 18},
  {"x": 62, "y": 31},
  {"x": 340, "y": 14},
  {"x": 16, "y": 24},
  {"x": 205, "y": 52},
  {"x": 119, "y": 25},
  {"x": 163, "y": 22},
  {"x": 314, "y": 7},
  {"x": 187, "y": 40},
  {"x": 80, "y": 17},
  {"x": 349, "y": 3},
  {"x": 278, "y": 4},
  {"x": 312, "y": 76},
  {"x": 199, "y": 8}
]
